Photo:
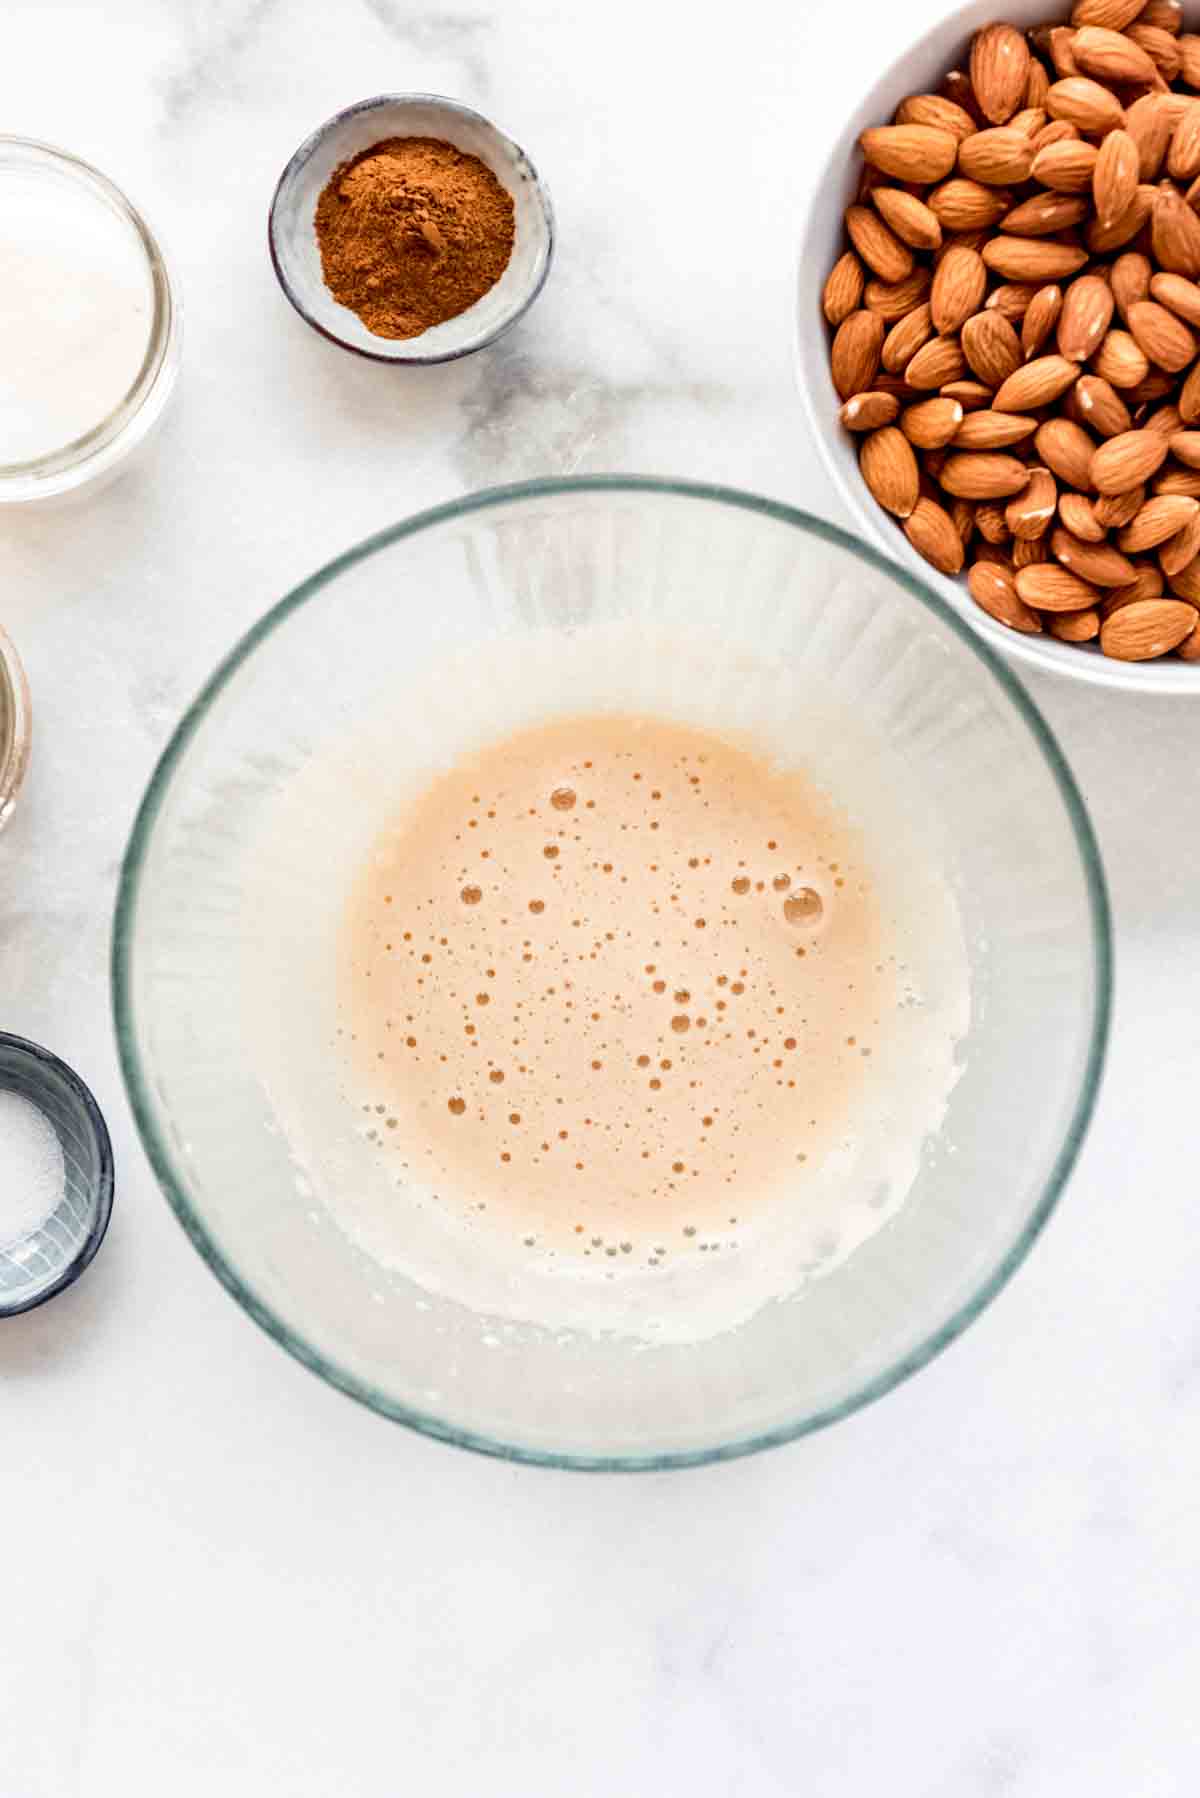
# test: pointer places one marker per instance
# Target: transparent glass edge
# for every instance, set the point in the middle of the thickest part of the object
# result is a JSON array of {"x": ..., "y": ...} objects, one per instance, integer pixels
[{"x": 361, "y": 1390}]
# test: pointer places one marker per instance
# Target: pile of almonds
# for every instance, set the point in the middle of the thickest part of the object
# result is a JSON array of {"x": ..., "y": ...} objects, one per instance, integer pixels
[{"x": 1016, "y": 326}]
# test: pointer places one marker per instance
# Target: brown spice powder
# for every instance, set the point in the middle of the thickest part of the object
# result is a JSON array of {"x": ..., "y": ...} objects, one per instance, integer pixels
[{"x": 411, "y": 233}]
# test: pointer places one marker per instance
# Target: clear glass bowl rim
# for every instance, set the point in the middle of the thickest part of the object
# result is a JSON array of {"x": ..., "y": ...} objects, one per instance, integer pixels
[{"x": 174, "y": 1184}]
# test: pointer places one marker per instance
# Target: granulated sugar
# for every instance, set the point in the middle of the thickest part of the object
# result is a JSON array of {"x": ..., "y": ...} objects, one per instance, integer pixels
[{"x": 32, "y": 1173}]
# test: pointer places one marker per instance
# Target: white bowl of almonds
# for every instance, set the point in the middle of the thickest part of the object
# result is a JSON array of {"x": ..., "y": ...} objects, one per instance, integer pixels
[{"x": 999, "y": 329}]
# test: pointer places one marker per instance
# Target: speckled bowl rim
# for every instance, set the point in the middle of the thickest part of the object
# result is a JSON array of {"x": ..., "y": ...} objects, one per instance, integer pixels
[
  {"x": 105, "y": 1180},
  {"x": 409, "y": 358},
  {"x": 159, "y": 1145}
]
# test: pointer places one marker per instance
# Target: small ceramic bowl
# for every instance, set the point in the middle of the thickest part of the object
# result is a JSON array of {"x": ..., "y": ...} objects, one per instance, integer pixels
[
  {"x": 920, "y": 69},
  {"x": 293, "y": 240},
  {"x": 15, "y": 727},
  {"x": 49, "y": 1259}
]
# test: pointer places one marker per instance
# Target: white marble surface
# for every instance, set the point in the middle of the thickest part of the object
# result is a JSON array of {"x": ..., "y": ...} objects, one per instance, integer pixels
[{"x": 216, "y": 1575}]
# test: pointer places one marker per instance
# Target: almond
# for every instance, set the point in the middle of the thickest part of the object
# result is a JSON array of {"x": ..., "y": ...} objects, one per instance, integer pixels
[
  {"x": 1078, "y": 518},
  {"x": 1130, "y": 280},
  {"x": 1175, "y": 232},
  {"x": 1041, "y": 316},
  {"x": 1066, "y": 166},
  {"x": 1185, "y": 447},
  {"x": 854, "y": 356},
  {"x": 1098, "y": 563},
  {"x": 1165, "y": 422},
  {"x": 1189, "y": 649},
  {"x": 1183, "y": 152},
  {"x": 1031, "y": 120},
  {"x": 1127, "y": 461},
  {"x": 1103, "y": 238},
  {"x": 1066, "y": 450},
  {"x": 932, "y": 533},
  {"x": 991, "y": 347},
  {"x": 1148, "y": 585},
  {"x": 1110, "y": 56},
  {"x": 992, "y": 430},
  {"x": 1033, "y": 259},
  {"x": 999, "y": 66},
  {"x": 1162, "y": 338},
  {"x": 908, "y": 217},
  {"x": 1011, "y": 300},
  {"x": 878, "y": 246},
  {"x": 1160, "y": 46},
  {"x": 1037, "y": 83},
  {"x": 1045, "y": 214},
  {"x": 958, "y": 289},
  {"x": 981, "y": 475},
  {"x": 1036, "y": 384},
  {"x": 1179, "y": 480},
  {"x": 1189, "y": 58},
  {"x": 998, "y": 158},
  {"x": 937, "y": 362},
  {"x": 991, "y": 523},
  {"x": 931, "y": 424},
  {"x": 1056, "y": 132},
  {"x": 1146, "y": 628},
  {"x": 1075, "y": 627},
  {"x": 1185, "y": 584},
  {"x": 920, "y": 153},
  {"x": 1180, "y": 551},
  {"x": 1149, "y": 124},
  {"x": 1028, "y": 516},
  {"x": 1100, "y": 407},
  {"x": 992, "y": 588},
  {"x": 936, "y": 110},
  {"x": 1026, "y": 551},
  {"x": 895, "y": 299},
  {"x": 1119, "y": 360},
  {"x": 1052, "y": 588},
  {"x": 1115, "y": 179},
  {"x": 1188, "y": 398},
  {"x": 972, "y": 396},
  {"x": 1151, "y": 387},
  {"x": 843, "y": 288},
  {"x": 1178, "y": 295},
  {"x": 962, "y": 511},
  {"x": 1166, "y": 14},
  {"x": 1115, "y": 14},
  {"x": 869, "y": 411},
  {"x": 905, "y": 339},
  {"x": 962, "y": 205},
  {"x": 1085, "y": 317},
  {"x": 1091, "y": 108},
  {"x": 1059, "y": 41},
  {"x": 890, "y": 470},
  {"x": 1113, "y": 511}
]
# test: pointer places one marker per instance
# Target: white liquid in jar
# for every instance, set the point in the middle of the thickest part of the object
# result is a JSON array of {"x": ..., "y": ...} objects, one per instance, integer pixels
[{"x": 76, "y": 305}]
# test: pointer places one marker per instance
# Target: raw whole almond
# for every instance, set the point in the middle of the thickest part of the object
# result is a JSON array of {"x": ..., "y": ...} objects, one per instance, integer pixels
[
  {"x": 1056, "y": 132},
  {"x": 1181, "y": 550},
  {"x": 1067, "y": 451},
  {"x": 1175, "y": 232},
  {"x": 1160, "y": 46},
  {"x": 1188, "y": 398},
  {"x": 1059, "y": 46},
  {"x": 958, "y": 289},
  {"x": 1148, "y": 585},
  {"x": 1091, "y": 108},
  {"x": 1166, "y": 14},
  {"x": 1115, "y": 14},
  {"x": 1185, "y": 584},
  {"x": 1189, "y": 649},
  {"x": 1100, "y": 407},
  {"x": 878, "y": 246},
  {"x": 854, "y": 356},
  {"x": 998, "y": 69},
  {"x": 1178, "y": 295},
  {"x": 1041, "y": 316},
  {"x": 869, "y": 411},
  {"x": 1165, "y": 421},
  {"x": 1028, "y": 516},
  {"x": 962, "y": 205},
  {"x": 1110, "y": 56},
  {"x": 905, "y": 339},
  {"x": 997, "y": 158},
  {"x": 1031, "y": 120},
  {"x": 1046, "y": 214},
  {"x": 890, "y": 470},
  {"x": 990, "y": 522},
  {"x": 1028, "y": 550},
  {"x": 1075, "y": 627},
  {"x": 992, "y": 588},
  {"x": 991, "y": 347},
  {"x": 1149, "y": 124},
  {"x": 936, "y": 110},
  {"x": 1130, "y": 280},
  {"x": 1151, "y": 387},
  {"x": 1183, "y": 152},
  {"x": 1098, "y": 563},
  {"x": 1036, "y": 384},
  {"x": 919, "y": 153},
  {"x": 1157, "y": 520},
  {"x": 1189, "y": 58},
  {"x": 1035, "y": 259},
  {"x": 930, "y": 424},
  {"x": 937, "y": 362},
  {"x": 1051, "y": 588},
  {"x": 1066, "y": 166},
  {"x": 1127, "y": 461},
  {"x": 1011, "y": 300},
  {"x": 893, "y": 299},
  {"x": 1119, "y": 360},
  {"x": 972, "y": 396},
  {"x": 1179, "y": 480},
  {"x": 1162, "y": 338},
  {"x": 1146, "y": 628},
  {"x": 908, "y": 217},
  {"x": 1086, "y": 315},
  {"x": 1103, "y": 238},
  {"x": 992, "y": 430},
  {"x": 932, "y": 533},
  {"x": 1115, "y": 179},
  {"x": 1114, "y": 510},
  {"x": 843, "y": 288},
  {"x": 1185, "y": 447},
  {"x": 1078, "y": 518},
  {"x": 1037, "y": 83},
  {"x": 971, "y": 474},
  {"x": 962, "y": 511}
]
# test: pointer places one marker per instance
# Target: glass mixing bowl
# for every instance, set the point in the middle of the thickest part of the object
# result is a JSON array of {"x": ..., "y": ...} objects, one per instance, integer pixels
[{"x": 556, "y": 559}]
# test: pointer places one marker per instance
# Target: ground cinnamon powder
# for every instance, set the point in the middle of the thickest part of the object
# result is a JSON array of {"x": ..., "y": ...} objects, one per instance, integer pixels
[{"x": 412, "y": 232}]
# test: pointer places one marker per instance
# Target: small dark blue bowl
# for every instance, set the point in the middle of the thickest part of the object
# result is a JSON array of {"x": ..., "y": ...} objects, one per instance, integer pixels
[{"x": 54, "y": 1255}]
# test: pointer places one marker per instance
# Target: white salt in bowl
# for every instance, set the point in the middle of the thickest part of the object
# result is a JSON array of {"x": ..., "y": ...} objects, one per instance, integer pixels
[{"x": 292, "y": 237}]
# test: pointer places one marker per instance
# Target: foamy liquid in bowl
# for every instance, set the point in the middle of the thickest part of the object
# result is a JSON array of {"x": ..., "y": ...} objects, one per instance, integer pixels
[{"x": 634, "y": 1017}]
